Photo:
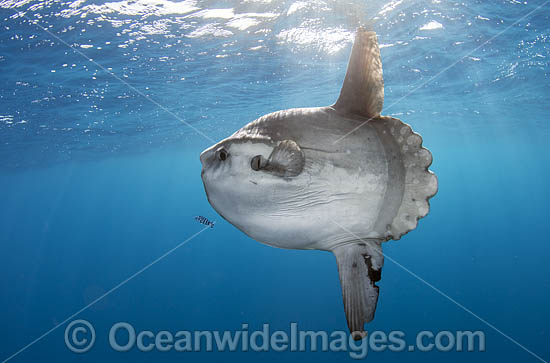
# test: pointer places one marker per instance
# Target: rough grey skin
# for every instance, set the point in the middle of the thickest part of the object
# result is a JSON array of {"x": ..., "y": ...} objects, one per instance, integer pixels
[{"x": 300, "y": 179}]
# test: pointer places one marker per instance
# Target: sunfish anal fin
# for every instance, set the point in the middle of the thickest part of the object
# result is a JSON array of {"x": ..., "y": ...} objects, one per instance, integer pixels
[
  {"x": 359, "y": 266},
  {"x": 363, "y": 91}
]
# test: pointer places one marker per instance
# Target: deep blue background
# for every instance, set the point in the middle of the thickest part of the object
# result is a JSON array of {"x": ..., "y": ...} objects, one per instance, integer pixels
[{"x": 93, "y": 190}]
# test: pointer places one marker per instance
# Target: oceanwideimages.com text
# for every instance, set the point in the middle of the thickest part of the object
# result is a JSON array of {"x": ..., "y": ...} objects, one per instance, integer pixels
[{"x": 123, "y": 337}]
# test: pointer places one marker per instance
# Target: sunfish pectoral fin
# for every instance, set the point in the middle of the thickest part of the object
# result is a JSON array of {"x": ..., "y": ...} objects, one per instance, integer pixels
[
  {"x": 363, "y": 91},
  {"x": 359, "y": 266},
  {"x": 286, "y": 159}
]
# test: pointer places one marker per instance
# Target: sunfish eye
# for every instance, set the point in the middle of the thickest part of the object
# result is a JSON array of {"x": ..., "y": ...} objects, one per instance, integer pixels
[
  {"x": 222, "y": 154},
  {"x": 256, "y": 162}
]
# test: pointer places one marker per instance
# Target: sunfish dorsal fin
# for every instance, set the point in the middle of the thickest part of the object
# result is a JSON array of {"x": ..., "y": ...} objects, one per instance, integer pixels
[{"x": 363, "y": 91}]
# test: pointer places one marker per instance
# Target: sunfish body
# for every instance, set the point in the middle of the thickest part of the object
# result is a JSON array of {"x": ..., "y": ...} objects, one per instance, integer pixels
[{"x": 340, "y": 178}]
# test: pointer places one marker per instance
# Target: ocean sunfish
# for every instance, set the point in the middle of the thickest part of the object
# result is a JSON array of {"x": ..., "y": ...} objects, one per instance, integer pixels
[{"x": 340, "y": 178}]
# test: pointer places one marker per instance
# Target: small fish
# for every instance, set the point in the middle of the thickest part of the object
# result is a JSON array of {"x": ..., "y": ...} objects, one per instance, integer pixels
[{"x": 205, "y": 221}]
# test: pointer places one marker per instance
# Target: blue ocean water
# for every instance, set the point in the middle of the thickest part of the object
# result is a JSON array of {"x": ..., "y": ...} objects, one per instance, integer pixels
[{"x": 100, "y": 104}]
